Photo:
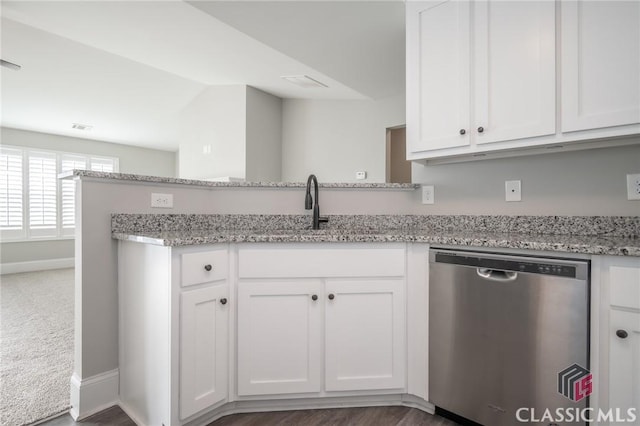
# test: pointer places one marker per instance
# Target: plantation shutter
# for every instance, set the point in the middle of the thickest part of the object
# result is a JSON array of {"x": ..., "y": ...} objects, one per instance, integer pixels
[
  {"x": 102, "y": 165},
  {"x": 68, "y": 189},
  {"x": 42, "y": 194},
  {"x": 11, "y": 209}
]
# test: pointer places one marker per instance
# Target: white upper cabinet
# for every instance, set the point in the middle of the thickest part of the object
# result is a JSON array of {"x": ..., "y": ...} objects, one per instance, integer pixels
[
  {"x": 495, "y": 78},
  {"x": 479, "y": 72},
  {"x": 600, "y": 64},
  {"x": 438, "y": 96},
  {"x": 514, "y": 70}
]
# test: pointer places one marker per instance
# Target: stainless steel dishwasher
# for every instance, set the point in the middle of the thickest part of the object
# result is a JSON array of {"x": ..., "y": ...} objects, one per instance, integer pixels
[{"x": 506, "y": 333}]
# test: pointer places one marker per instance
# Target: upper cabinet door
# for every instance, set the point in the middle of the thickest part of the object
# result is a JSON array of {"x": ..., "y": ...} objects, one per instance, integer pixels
[
  {"x": 438, "y": 70},
  {"x": 514, "y": 72},
  {"x": 600, "y": 64}
]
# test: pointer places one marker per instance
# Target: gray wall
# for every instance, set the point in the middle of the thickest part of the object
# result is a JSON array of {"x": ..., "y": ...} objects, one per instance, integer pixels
[
  {"x": 132, "y": 160},
  {"x": 334, "y": 139},
  {"x": 590, "y": 182},
  {"x": 264, "y": 137}
]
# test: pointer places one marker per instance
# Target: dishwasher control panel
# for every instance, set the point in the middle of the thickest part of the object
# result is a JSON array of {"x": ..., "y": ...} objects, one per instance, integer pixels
[{"x": 546, "y": 268}]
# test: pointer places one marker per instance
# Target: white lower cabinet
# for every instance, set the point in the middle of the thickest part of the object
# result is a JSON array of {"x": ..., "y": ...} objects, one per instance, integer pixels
[
  {"x": 624, "y": 361},
  {"x": 619, "y": 343},
  {"x": 364, "y": 335},
  {"x": 309, "y": 333},
  {"x": 268, "y": 321},
  {"x": 173, "y": 331},
  {"x": 204, "y": 330},
  {"x": 279, "y": 332}
]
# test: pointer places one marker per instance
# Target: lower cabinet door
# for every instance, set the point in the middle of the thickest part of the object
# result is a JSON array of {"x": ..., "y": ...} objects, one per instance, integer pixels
[
  {"x": 279, "y": 343},
  {"x": 365, "y": 335},
  {"x": 204, "y": 321},
  {"x": 624, "y": 362}
]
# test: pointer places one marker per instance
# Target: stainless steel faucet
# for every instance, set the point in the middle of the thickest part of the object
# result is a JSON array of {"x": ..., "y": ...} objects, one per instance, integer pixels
[{"x": 309, "y": 203}]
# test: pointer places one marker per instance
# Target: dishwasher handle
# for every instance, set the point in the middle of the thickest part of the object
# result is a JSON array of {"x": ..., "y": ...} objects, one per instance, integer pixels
[{"x": 496, "y": 274}]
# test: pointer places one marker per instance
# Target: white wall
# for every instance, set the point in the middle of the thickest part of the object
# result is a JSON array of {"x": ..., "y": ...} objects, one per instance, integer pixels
[
  {"x": 334, "y": 139},
  {"x": 131, "y": 159},
  {"x": 217, "y": 118},
  {"x": 590, "y": 182},
  {"x": 243, "y": 126},
  {"x": 264, "y": 137}
]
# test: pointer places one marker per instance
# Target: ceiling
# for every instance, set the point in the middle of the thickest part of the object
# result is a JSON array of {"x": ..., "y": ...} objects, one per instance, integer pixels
[{"x": 128, "y": 68}]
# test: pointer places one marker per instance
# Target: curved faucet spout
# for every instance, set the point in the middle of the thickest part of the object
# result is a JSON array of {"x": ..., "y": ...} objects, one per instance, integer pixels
[{"x": 309, "y": 202}]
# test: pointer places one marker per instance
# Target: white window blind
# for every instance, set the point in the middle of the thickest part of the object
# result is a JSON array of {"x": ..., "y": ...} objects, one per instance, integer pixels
[
  {"x": 43, "y": 185},
  {"x": 102, "y": 165},
  {"x": 34, "y": 203},
  {"x": 11, "y": 211},
  {"x": 68, "y": 188}
]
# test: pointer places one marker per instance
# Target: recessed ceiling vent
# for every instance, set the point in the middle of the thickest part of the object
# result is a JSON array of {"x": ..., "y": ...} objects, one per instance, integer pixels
[
  {"x": 303, "y": 81},
  {"x": 81, "y": 126},
  {"x": 10, "y": 65}
]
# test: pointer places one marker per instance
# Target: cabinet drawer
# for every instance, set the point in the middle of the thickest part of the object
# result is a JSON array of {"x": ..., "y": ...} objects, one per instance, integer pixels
[
  {"x": 195, "y": 265},
  {"x": 310, "y": 262},
  {"x": 625, "y": 286}
]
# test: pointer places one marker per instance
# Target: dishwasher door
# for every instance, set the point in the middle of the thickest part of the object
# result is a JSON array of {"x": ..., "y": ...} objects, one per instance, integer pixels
[{"x": 502, "y": 328}]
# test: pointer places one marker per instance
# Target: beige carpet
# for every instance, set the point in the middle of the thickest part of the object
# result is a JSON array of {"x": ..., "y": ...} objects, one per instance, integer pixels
[{"x": 36, "y": 345}]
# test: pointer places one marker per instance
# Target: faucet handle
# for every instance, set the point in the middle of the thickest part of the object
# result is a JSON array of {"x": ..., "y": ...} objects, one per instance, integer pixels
[{"x": 324, "y": 219}]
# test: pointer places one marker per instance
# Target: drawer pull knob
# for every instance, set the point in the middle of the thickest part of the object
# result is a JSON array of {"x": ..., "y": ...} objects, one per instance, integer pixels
[
  {"x": 223, "y": 301},
  {"x": 207, "y": 268},
  {"x": 463, "y": 131},
  {"x": 314, "y": 297},
  {"x": 480, "y": 129},
  {"x": 332, "y": 296},
  {"x": 622, "y": 334}
]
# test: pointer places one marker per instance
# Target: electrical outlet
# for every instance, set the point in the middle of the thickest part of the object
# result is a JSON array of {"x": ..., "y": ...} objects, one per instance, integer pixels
[
  {"x": 361, "y": 175},
  {"x": 512, "y": 190},
  {"x": 162, "y": 201},
  {"x": 633, "y": 187},
  {"x": 428, "y": 194}
]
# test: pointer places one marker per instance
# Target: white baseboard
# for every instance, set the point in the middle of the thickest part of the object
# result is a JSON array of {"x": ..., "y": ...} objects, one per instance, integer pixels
[
  {"x": 253, "y": 406},
  {"x": 93, "y": 394},
  {"x": 36, "y": 265}
]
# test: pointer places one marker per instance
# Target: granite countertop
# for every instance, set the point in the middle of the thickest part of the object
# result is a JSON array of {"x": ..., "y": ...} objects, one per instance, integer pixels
[
  {"x": 619, "y": 245},
  {"x": 128, "y": 177}
]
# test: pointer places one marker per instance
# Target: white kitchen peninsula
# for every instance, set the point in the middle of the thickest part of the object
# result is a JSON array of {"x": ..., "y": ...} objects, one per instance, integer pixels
[{"x": 259, "y": 318}]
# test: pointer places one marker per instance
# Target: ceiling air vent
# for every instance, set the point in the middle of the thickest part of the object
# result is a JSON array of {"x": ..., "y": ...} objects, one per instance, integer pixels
[
  {"x": 303, "y": 81},
  {"x": 81, "y": 126}
]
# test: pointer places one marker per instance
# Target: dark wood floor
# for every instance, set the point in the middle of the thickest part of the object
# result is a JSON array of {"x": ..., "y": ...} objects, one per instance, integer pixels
[{"x": 371, "y": 416}]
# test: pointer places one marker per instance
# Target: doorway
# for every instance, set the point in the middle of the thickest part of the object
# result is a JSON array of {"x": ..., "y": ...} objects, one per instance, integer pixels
[{"x": 398, "y": 168}]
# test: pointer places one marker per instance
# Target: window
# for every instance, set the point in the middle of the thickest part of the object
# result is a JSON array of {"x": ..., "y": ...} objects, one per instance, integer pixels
[
  {"x": 11, "y": 216},
  {"x": 34, "y": 203}
]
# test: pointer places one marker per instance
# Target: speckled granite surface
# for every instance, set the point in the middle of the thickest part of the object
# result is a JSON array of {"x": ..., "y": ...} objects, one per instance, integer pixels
[
  {"x": 205, "y": 183},
  {"x": 588, "y": 234}
]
